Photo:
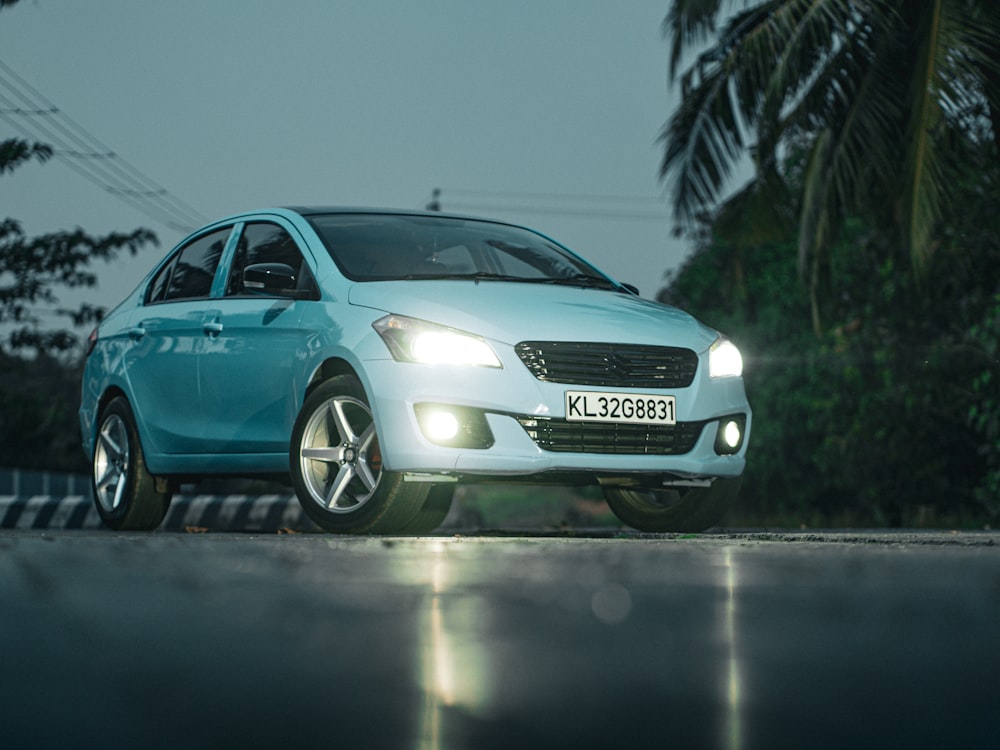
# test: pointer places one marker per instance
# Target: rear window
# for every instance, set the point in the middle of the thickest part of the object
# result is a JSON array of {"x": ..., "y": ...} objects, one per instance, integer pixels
[{"x": 189, "y": 274}]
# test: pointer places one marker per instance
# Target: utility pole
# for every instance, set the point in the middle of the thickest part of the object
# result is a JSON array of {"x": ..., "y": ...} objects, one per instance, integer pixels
[{"x": 435, "y": 204}]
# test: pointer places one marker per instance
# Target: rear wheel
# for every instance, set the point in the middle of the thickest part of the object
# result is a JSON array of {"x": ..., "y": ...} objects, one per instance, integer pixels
[
  {"x": 434, "y": 510},
  {"x": 336, "y": 465},
  {"x": 680, "y": 509},
  {"x": 125, "y": 492}
]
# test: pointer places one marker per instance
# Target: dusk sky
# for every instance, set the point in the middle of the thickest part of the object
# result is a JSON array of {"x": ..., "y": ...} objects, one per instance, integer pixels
[{"x": 516, "y": 110}]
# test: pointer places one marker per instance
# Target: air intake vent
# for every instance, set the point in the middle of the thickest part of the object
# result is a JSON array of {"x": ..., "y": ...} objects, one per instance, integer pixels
[{"x": 561, "y": 436}]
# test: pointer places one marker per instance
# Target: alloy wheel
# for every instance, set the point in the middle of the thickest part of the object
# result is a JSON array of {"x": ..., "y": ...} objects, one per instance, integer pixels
[
  {"x": 340, "y": 458},
  {"x": 111, "y": 463}
]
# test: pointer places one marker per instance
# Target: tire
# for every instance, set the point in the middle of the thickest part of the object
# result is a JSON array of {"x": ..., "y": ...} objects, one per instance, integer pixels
[
  {"x": 336, "y": 465},
  {"x": 681, "y": 510},
  {"x": 125, "y": 492},
  {"x": 434, "y": 510}
]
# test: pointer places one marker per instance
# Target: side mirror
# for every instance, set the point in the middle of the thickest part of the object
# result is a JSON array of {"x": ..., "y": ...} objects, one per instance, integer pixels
[{"x": 270, "y": 278}]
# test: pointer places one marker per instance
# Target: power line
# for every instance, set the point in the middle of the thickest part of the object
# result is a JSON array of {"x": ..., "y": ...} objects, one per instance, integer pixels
[
  {"x": 32, "y": 115},
  {"x": 551, "y": 204},
  {"x": 72, "y": 140},
  {"x": 119, "y": 174},
  {"x": 580, "y": 212},
  {"x": 552, "y": 196}
]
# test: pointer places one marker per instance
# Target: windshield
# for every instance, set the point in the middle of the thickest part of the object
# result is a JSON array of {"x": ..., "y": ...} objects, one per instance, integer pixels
[{"x": 380, "y": 247}]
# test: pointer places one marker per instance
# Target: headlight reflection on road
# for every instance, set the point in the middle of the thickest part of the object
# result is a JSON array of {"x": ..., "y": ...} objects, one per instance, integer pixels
[
  {"x": 440, "y": 682},
  {"x": 733, "y": 739},
  {"x": 455, "y": 665}
]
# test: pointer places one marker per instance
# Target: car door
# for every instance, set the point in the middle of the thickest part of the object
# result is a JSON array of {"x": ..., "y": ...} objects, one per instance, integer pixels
[
  {"x": 251, "y": 365},
  {"x": 167, "y": 334}
]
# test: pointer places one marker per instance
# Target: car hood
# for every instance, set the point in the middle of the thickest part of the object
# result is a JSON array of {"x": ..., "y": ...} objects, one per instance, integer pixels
[{"x": 511, "y": 312}]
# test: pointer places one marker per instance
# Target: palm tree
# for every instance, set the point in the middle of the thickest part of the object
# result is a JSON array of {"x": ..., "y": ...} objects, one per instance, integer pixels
[{"x": 881, "y": 98}]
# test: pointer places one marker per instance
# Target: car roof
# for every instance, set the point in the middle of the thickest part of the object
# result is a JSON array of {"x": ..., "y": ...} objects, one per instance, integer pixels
[{"x": 318, "y": 210}]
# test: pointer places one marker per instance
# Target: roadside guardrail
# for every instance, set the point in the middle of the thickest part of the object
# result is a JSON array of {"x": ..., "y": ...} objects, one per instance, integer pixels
[
  {"x": 192, "y": 513},
  {"x": 60, "y": 500}
]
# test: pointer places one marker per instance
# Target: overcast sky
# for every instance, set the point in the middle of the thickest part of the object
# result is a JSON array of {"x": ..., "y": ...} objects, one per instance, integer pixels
[{"x": 233, "y": 105}]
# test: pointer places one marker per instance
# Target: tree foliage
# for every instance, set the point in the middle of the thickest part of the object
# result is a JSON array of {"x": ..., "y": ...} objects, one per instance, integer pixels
[
  {"x": 891, "y": 415},
  {"x": 32, "y": 269},
  {"x": 15, "y": 152},
  {"x": 39, "y": 393},
  {"x": 872, "y": 129},
  {"x": 39, "y": 398},
  {"x": 881, "y": 100}
]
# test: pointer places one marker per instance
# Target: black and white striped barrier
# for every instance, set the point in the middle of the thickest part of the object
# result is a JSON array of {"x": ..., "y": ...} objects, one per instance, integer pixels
[{"x": 250, "y": 513}]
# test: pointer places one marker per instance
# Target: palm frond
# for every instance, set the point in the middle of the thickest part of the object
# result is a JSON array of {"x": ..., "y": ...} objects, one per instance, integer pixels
[
  {"x": 815, "y": 221},
  {"x": 854, "y": 100},
  {"x": 703, "y": 139},
  {"x": 884, "y": 95},
  {"x": 957, "y": 44},
  {"x": 688, "y": 22},
  {"x": 922, "y": 186},
  {"x": 804, "y": 37}
]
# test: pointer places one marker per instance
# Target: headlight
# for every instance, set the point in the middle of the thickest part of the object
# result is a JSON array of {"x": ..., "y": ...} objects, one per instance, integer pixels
[
  {"x": 724, "y": 359},
  {"x": 412, "y": 340}
]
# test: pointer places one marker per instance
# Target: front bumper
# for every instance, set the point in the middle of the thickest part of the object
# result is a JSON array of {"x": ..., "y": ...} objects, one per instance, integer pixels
[{"x": 510, "y": 400}]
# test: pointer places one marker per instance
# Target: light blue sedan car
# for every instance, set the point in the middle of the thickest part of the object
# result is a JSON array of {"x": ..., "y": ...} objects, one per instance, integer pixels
[{"x": 378, "y": 358}]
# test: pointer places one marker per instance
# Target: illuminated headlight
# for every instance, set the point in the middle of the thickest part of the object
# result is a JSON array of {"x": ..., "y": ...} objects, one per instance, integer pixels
[
  {"x": 724, "y": 359},
  {"x": 412, "y": 340}
]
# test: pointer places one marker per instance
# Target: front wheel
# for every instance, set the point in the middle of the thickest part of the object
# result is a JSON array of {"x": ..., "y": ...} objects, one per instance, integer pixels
[
  {"x": 125, "y": 492},
  {"x": 680, "y": 509},
  {"x": 336, "y": 465}
]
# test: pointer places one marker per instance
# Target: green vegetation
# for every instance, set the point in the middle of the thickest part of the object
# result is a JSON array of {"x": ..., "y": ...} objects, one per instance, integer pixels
[
  {"x": 39, "y": 361},
  {"x": 860, "y": 268},
  {"x": 890, "y": 416},
  {"x": 32, "y": 269},
  {"x": 883, "y": 104}
]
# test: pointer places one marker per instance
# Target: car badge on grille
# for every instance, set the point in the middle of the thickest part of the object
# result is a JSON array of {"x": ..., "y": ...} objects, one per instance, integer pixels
[{"x": 618, "y": 365}]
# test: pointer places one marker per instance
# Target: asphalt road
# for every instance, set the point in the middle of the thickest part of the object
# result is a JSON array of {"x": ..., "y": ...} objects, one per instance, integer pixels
[{"x": 172, "y": 640}]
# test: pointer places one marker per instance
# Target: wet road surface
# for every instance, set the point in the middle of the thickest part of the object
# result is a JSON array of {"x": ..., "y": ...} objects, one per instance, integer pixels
[{"x": 171, "y": 640}]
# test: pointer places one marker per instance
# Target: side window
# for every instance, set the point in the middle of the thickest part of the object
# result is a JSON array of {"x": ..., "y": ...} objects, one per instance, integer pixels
[
  {"x": 191, "y": 274},
  {"x": 157, "y": 291},
  {"x": 267, "y": 243}
]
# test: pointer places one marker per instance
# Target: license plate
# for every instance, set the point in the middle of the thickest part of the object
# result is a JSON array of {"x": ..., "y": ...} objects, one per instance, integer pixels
[{"x": 634, "y": 408}]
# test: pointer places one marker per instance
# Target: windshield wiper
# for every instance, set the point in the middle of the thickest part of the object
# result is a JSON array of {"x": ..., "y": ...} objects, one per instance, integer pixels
[
  {"x": 477, "y": 276},
  {"x": 580, "y": 279},
  {"x": 584, "y": 280}
]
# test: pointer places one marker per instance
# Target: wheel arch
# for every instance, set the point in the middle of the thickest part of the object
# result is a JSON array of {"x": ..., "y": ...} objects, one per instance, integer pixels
[
  {"x": 91, "y": 422},
  {"x": 329, "y": 368},
  {"x": 107, "y": 397},
  {"x": 110, "y": 394}
]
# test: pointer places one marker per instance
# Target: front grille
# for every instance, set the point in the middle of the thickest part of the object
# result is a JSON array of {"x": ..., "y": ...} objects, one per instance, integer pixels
[
  {"x": 561, "y": 436},
  {"x": 615, "y": 365}
]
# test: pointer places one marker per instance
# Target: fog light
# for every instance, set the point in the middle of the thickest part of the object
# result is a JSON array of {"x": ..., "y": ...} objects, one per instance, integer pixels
[
  {"x": 440, "y": 426},
  {"x": 729, "y": 439},
  {"x": 454, "y": 426},
  {"x": 731, "y": 434}
]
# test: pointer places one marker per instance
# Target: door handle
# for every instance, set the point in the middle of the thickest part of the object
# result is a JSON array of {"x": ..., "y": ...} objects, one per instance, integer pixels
[
  {"x": 213, "y": 328},
  {"x": 136, "y": 332}
]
